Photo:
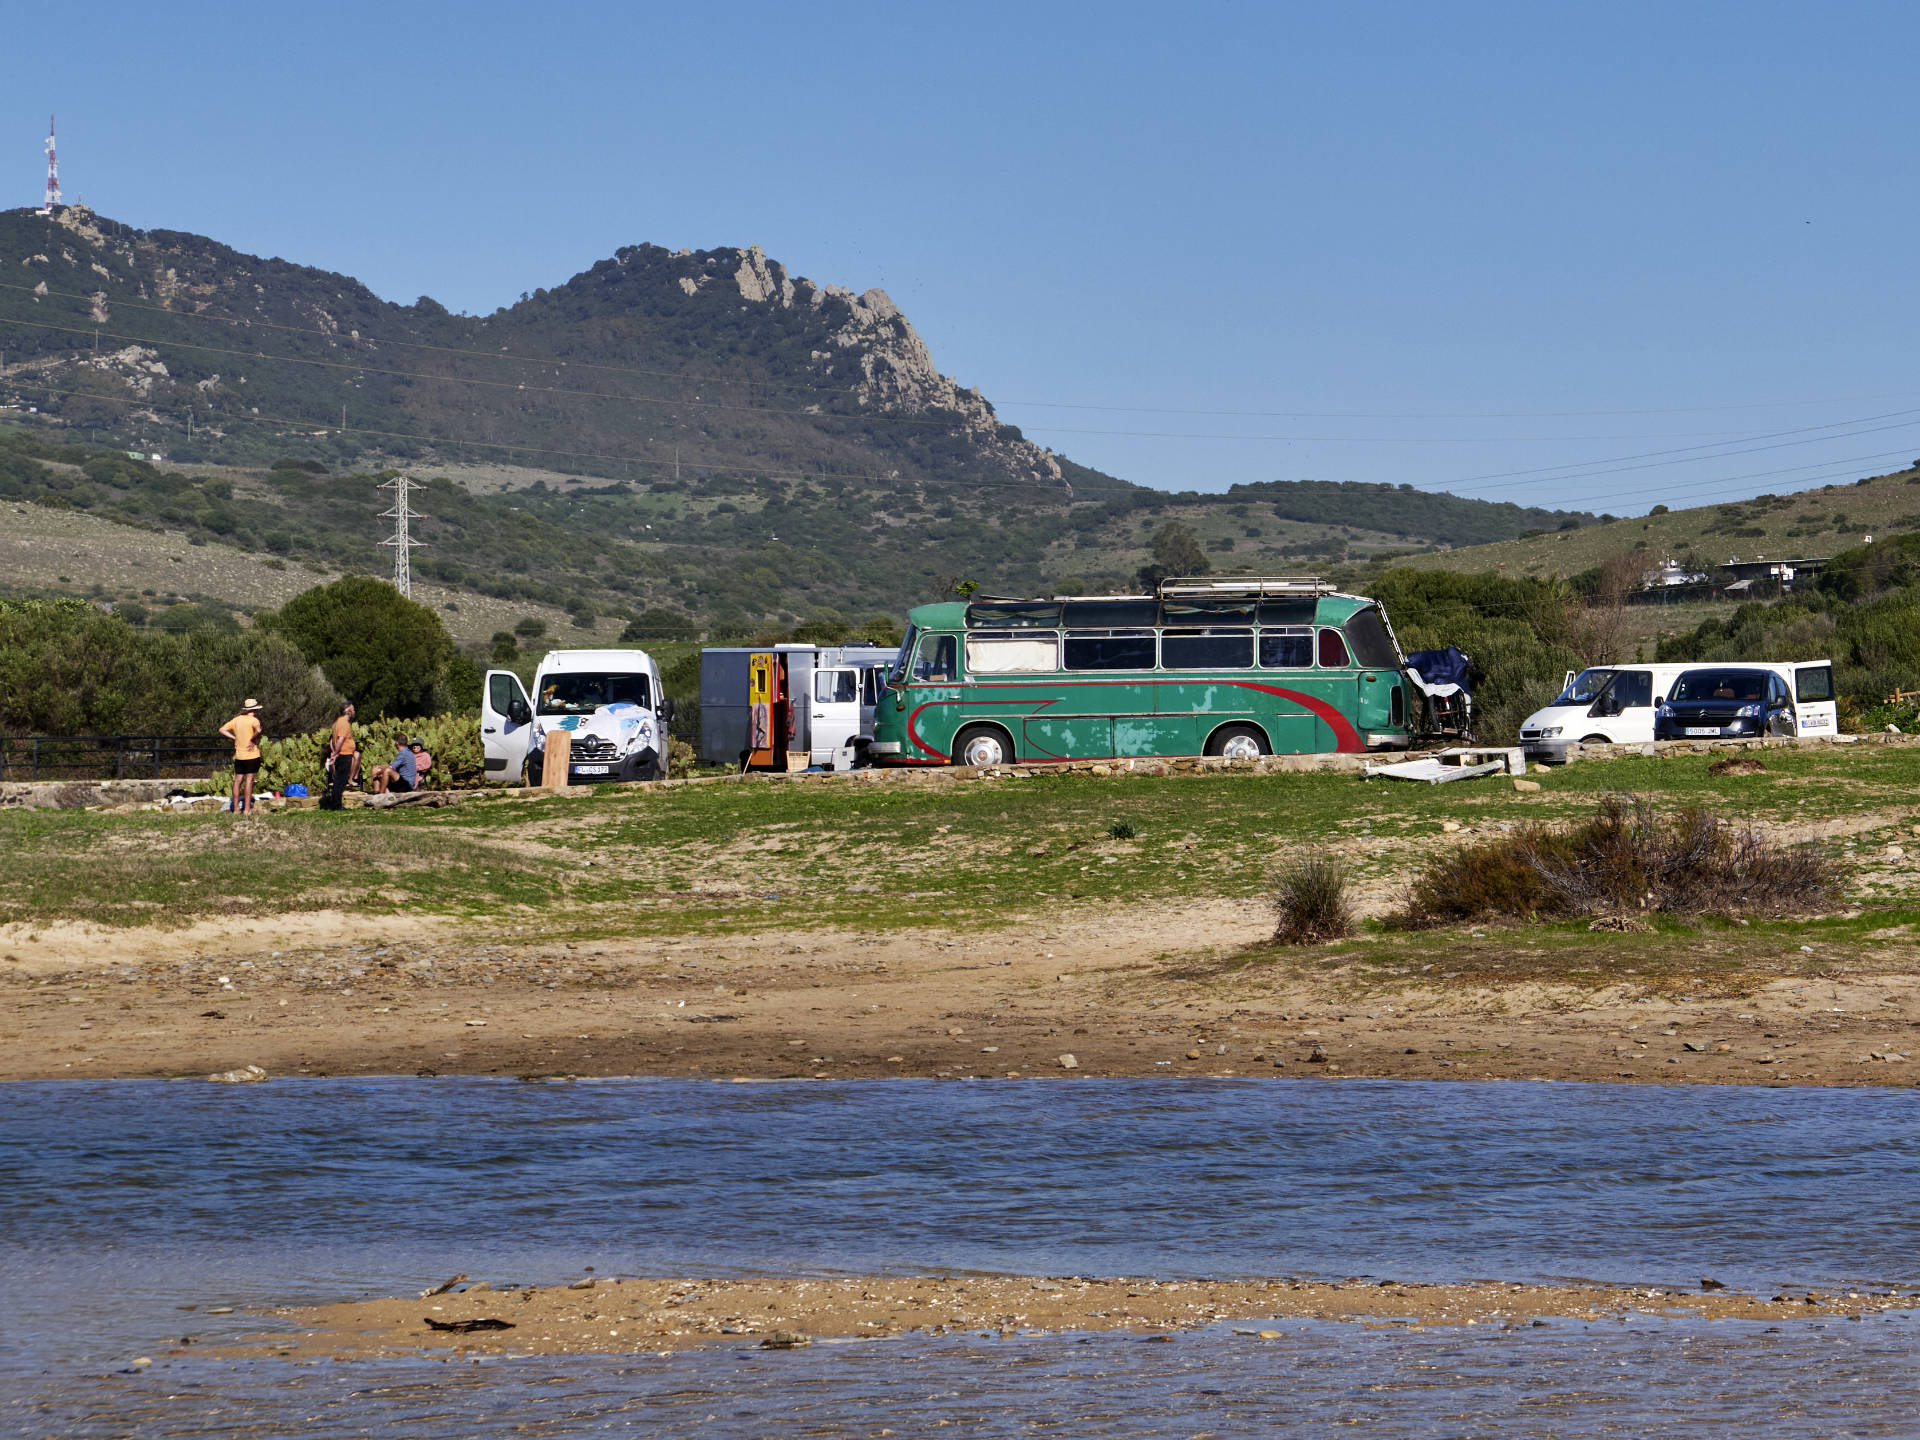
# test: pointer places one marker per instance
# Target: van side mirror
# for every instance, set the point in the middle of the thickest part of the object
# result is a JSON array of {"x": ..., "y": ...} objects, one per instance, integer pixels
[
  {"x": 666, "y": 709},
  {"x": 1659, "y": 699},
  {"x": 518, "y": 712}
]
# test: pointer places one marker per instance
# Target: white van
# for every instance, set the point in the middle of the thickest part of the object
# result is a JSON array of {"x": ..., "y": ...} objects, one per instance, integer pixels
[
  {"x": 609, "y": 701},
  {"x": 1616, "y": 705}
]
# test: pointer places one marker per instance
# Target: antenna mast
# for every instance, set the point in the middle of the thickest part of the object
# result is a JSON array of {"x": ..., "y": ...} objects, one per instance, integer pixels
[
  {"x": 401, "y": 540},
  {"x": 53, "y": 174}
]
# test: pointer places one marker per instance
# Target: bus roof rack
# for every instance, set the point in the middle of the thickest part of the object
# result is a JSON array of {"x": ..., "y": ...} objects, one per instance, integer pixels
[{"x": 1182, "y": 587}]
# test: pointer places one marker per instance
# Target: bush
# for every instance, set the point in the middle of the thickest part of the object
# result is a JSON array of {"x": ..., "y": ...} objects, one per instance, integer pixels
[
  {"x": 529, "y": 628},
  {"x": 660, "y": 624},
  {"x": 453, "y": 741},
  {"x": 1627, "y": 861},
  {"x": 1310, "y": 895}
]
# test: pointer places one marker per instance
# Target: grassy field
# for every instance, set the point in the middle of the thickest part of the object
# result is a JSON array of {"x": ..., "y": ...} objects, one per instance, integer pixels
[{"x": 889, "y": 853}]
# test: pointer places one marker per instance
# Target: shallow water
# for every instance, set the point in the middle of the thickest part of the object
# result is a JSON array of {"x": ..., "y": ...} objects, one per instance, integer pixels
[{"x": 127, "y": 1199}]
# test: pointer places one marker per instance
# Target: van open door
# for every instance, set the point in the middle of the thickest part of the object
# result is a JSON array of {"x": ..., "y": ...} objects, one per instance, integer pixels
[
  {"x": 1813, "y": 698},
  {"x": 506, "y": 726}
]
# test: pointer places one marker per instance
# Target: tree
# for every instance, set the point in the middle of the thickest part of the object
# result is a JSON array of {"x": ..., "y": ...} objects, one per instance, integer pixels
[
  {"x": 378, "y": 648},
  {"x": 505, "y": 649},
  {"x": 1178, "y": 550}
]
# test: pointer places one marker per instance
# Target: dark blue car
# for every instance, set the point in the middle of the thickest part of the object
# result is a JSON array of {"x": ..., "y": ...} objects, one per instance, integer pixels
[{"x": 1725, "y": 702}]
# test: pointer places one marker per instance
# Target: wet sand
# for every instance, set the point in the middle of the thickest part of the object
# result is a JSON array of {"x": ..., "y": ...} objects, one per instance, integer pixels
[
  {"x": 1103, "y": 992},
  {"x": 615, "y": 1315}
]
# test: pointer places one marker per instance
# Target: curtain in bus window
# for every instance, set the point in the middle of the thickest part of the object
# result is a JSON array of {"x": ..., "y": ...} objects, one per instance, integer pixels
[
  {"x": 1008, "y": 655},
  {"x": 1110, "y": 650},
  {"x": 1333, "y": 650},
  {"x": 935, "y": 661},
  {"x": 1286, "y": 649},
  {"x": 1210, "y": 649},
  {"x": 1813, "y": 683}
]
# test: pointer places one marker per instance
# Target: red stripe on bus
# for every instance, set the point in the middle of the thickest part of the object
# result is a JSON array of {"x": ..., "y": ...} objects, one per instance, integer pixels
[{"x": 1346, "y": 738}]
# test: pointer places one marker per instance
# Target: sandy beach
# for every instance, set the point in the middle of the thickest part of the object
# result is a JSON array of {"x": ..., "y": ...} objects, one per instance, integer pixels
[{"x": 1109, "y": 990}]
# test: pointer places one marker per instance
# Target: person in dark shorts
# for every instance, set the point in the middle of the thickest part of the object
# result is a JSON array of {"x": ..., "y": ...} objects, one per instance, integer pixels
[
  {"x": 403, "y": 774},
  {"x": 343, "y": 759},
  {"x": 245, "y": 731}
]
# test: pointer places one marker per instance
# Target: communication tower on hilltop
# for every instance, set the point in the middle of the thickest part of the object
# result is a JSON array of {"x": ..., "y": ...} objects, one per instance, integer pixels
[
  {"x": 401, "y": 540},
  {"x": 52, "y": 206}
]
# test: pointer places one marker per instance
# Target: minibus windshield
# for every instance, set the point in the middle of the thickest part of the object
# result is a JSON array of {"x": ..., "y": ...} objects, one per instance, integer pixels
[{"x": 1587, "y": 687}]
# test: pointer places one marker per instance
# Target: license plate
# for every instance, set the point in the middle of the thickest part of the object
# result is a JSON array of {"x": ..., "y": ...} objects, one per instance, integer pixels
[
  {"x": 1703, "y": 729},
  {"x": 593, "y": 769}
]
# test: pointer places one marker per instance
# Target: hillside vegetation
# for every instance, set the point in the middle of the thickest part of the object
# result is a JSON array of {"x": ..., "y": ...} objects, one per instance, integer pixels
[
  {"x": 700, "y": 429},
  {"x": 1813, "y": 523}
]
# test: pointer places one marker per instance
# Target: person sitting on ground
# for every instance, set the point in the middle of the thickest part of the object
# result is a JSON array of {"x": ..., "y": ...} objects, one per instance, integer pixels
[
  {"x": 422, "y": 759},
  {"x": 401, "y": 775},
  {"x": 245, "y": 731},
  {"x": 343, "y": 759}
]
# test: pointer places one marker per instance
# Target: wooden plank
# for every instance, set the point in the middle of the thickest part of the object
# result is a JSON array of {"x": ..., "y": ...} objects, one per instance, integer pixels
[{"x": 559, "y": 755}]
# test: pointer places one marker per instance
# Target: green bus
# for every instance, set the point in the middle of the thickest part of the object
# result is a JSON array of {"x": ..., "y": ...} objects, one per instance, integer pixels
[{"x": 1238, "y": 668}]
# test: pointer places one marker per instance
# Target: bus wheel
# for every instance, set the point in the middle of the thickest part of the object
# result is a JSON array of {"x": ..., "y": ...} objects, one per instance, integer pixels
[
  {"x": 1237, "y": 742},
  {"x": 982, "y": 745}
]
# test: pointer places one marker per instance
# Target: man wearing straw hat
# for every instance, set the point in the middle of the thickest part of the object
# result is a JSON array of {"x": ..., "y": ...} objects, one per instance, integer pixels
[{"x": 244, "y": 730}]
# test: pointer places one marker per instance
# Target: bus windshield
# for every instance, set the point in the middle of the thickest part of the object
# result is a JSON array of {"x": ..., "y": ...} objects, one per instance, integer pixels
[
  {"x": 1587, "y": 687},
  {"x": 583, "y": 692},
  {"x": 899, "y": 673}
]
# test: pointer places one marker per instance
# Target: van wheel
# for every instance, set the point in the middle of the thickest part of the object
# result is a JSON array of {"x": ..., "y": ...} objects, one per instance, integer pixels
[
  {"x": 982, "y": 745},
  {"x": 1595, "y": 740},
  {"x": 1237, "y": 742}
]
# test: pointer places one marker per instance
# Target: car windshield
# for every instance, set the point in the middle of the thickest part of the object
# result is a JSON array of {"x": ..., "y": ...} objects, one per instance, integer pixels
[
  {"x": 1744, "y": 687},
  {"x": 583, "y": 692},
  {"x": 1587, "y": 687}
]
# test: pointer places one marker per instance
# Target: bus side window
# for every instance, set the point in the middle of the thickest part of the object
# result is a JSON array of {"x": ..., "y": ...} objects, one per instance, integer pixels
[
  {"x": 1286, "y": 650},
  {"x": 935, "y": 662},
  {"x": 1333, "y": 650}
]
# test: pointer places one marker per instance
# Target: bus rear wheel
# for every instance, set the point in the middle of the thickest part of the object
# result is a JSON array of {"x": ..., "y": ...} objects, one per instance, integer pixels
[
  {"x": 1237, "y": 742},
  {"x": 982, "y": 745}
]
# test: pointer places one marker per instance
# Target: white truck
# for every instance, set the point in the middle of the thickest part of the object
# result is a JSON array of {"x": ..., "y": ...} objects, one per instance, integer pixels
[
  {"x": 609, "y": 701},
  {"x": 1616, "y": 704},
  {"x": 818, "y": 710}
]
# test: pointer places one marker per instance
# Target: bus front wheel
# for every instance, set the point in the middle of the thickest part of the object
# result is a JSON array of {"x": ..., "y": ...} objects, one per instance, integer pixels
[
  {"x": 1237, "y": 742},
  {"x": 982, "y": 745}
]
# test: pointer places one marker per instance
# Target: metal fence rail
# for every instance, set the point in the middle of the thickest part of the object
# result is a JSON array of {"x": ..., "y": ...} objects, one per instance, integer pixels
[{"x": 111, "y": 757}]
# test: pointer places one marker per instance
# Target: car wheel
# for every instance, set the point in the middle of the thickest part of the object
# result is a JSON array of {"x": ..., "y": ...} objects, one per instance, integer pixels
[
  {"x": 1237, "y": 742},
  {"x": 982, "y": 745}
]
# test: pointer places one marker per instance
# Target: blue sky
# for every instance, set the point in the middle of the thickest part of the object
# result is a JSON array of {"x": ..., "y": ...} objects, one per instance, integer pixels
[{"x": 1496, "y": 249}]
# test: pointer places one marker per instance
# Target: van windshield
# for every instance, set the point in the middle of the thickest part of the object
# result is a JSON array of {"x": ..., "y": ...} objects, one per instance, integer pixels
[
  {"x": 582, "y": 692},
  {"x": 1587, "y": 687}
]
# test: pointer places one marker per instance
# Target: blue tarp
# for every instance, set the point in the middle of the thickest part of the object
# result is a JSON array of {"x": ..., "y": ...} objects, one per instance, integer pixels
[{"x": 1440, "y": 667}]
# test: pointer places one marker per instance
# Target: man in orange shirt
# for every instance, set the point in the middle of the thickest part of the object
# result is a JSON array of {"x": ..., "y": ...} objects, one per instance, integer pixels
[
  {"x": 244, "y": 730},
  {"x": 343, "y": 758}
]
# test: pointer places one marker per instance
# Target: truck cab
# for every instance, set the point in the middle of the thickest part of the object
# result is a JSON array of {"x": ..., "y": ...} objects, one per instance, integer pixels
[{"x": 610, "y": 703}]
